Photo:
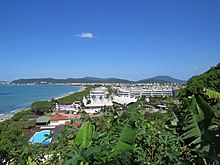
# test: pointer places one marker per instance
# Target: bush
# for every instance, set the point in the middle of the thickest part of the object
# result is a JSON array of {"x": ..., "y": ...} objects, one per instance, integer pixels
[
  {"x": 40, "y": 107},
  {"x": 23, "y": 115}
]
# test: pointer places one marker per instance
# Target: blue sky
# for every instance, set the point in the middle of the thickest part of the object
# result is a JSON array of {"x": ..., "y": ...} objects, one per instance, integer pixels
[{"x": 131, "y": 39}]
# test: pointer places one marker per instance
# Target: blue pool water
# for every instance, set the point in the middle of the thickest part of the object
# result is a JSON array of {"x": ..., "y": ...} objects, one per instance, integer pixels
[{"x": 39, "y": 137}]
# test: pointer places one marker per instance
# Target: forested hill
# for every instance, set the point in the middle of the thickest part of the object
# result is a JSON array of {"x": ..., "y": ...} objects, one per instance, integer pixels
[
  {"x": 209, "y": 79},
  {"x": 162, "y": 79},
  {"x": 70, "y": 80},
  {"x": 157, "y": 79}
]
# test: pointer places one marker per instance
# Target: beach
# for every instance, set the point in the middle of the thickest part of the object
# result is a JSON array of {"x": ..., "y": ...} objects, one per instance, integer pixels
[{"x": 9, "y": 115}]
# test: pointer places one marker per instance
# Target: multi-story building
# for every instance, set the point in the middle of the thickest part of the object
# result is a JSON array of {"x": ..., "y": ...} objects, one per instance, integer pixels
[
  {"x": 124, "y": 92},
  {"x": 157, "y": 92},
  {"x": 145, "y": 91}
]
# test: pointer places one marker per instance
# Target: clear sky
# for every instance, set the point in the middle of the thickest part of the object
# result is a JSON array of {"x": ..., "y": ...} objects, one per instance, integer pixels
[{"x": 131, "y": 39}]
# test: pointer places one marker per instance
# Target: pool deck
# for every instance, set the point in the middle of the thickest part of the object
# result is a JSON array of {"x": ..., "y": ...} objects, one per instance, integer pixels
[
  {"x": 30, "y": 132},
  {"x": 39, "y": 137}
]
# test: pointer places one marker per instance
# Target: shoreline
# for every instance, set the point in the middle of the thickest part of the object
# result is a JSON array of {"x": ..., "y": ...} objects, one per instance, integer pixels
[{"x": 9, "y": 115}]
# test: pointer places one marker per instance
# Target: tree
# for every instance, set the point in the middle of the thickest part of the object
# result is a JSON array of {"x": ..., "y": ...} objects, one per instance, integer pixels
[
  {"x": 12, "y": 139},
  {"x": 40, "y": 107},
  {"x": 208, "y": 80}
]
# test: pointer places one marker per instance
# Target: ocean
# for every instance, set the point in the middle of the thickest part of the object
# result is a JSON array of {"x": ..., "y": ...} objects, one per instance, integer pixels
[{"x": 15, "y": 97}]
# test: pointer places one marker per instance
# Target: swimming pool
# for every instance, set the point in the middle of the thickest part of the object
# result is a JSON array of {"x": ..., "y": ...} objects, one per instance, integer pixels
[{"x": 39, "y": 137}]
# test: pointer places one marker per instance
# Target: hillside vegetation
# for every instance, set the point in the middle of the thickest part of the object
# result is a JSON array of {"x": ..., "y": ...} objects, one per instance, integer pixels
[
  {"x": 162, "y": 79},
  {"x": 187, "y": 134},
  {"x": 208, "y": 80},
  {"x": 157, "y": 79}
]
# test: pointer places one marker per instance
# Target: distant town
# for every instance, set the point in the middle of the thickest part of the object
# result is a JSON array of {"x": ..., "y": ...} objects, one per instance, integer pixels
[{"x": 92, "y": 81}]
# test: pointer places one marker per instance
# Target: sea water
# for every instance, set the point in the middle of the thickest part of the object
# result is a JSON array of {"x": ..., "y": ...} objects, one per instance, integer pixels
[{"x": 15, "y": 97}]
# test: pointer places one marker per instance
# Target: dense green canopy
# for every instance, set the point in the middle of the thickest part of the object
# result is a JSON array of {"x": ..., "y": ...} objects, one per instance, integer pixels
[{"x": 210, "y": 80}]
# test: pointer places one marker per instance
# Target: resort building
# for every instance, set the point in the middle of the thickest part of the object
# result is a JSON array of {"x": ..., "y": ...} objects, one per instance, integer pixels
[
  {"x": 157, "y": 92},
  {"x": 96, "y": 100},
  {"x": 123, "y": 92},
  {"x": 151, "y": 90},
  {"x": 93, "y": 105},
  {"x": 135, "y": 92},
  {"x": 122, "y": 100},
  {"x": 72, "y": 107},
  {"x": 98, "y": 92},
  {"x": 59, "y": 119},
  {"x": 43, "y": 120}
]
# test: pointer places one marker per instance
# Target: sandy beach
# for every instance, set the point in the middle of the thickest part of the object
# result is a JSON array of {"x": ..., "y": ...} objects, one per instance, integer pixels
[{"x": 8, "y": 116}]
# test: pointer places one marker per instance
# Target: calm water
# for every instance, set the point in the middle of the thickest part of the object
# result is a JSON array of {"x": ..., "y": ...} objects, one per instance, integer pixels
[{"x": 13, "y": 97}]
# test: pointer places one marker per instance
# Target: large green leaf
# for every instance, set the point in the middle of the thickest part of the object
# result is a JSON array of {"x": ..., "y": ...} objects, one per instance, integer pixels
[
  {"x": 207, "y": 112},
  {"x": 126, "y": 140},
  {"x": 127, "y": 133},
  {"x": 192, "y": 129},
  {"x": 198, "y": 120},
  {"x": 174, "y": 119},
  {"x": 196, "y": 110},
  {"x": 212, "y": 94},
  {"x": 84, "y": 135}
]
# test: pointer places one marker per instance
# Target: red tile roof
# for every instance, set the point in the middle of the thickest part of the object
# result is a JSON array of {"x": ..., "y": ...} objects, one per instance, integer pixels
[
  {"x": 73, "y": 116},
  {"x": 58, "y": 117},
  {"x": 95, "y": 116},
  {"x": 68, "y": 103}
]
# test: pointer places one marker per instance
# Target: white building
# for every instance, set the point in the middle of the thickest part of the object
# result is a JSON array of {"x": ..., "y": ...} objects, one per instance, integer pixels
[
  {"x": 73, "y": 107},
  {"x": 58, "y": 119},
  {"x": 98, "y": 92},
  {"x": 97, "y": 100},
  {"x": 123, "y": 100},
  {"x": 135, "y": 92},
  {"x": 124, "y": 92},
  {"x": 157, "y": 92},
  {"x": 151, "y": 90}
]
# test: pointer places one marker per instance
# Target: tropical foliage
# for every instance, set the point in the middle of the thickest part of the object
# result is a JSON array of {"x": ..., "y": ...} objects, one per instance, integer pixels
[
  {"x": 196, "y": 125},
  {"x": 208, "y": 80},
  {"x": 117, "y": 138},
  {"x": 188, "y": 134},
  {"x": 12, "y": 139},
  {"x": 196, "y": 121},
  {"x": 41, "y": 107}
]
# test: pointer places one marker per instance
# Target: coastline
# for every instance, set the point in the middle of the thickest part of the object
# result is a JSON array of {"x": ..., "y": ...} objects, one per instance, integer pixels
[
  {"x": 81, "y": 88},
  {"x": 8, "y": 116}
]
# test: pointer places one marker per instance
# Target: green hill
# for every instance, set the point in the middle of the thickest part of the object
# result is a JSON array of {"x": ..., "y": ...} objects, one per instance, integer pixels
[
  {"x": 209, "y": 79},
  {"x": 70, "y": 80},
  {"x": 162, "y": 79},
  {"x": 157, "y": 79}
]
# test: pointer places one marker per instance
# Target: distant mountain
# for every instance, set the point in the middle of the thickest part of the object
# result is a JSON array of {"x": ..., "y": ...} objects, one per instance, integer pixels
[
  {"x": 4, "y": 82},
  {"x": 70, "y": 80},
  {"x": 157, "y": 79},
  {"x": 162, "y": 79},
  {"x": 38, "y": 81},
  {"x": 116, "y": 80}
]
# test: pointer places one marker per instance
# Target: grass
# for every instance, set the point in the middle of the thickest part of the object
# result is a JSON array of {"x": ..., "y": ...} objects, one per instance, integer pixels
[{"x": 78, "y": 96}]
